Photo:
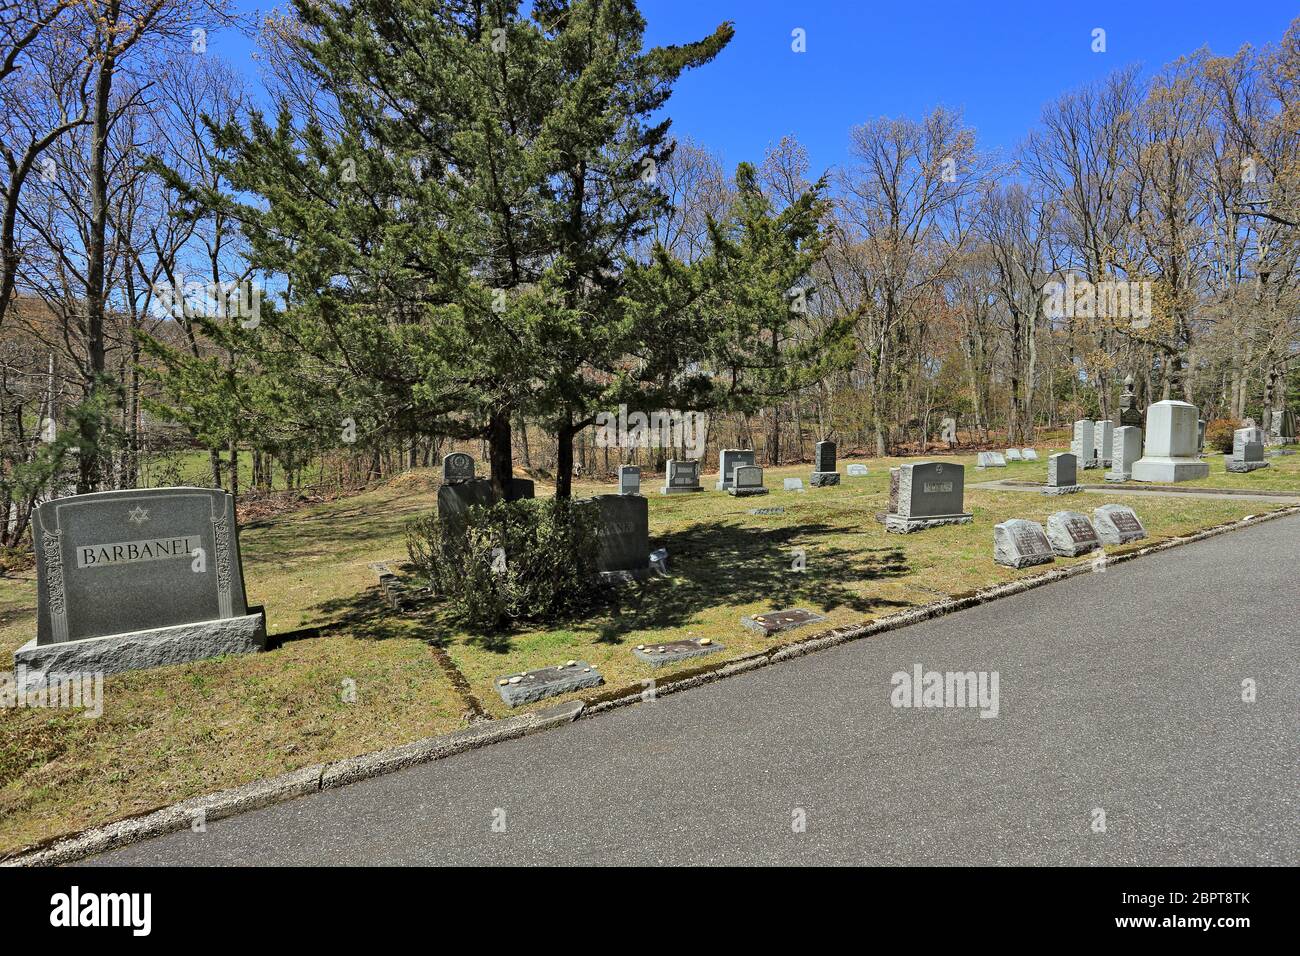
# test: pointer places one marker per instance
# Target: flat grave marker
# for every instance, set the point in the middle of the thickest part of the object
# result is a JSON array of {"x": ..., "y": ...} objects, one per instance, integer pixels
[
  {"x": 525, "y": 687},
  {"x": 669, "y": 652},
  {"x": 773, "y": 622}
]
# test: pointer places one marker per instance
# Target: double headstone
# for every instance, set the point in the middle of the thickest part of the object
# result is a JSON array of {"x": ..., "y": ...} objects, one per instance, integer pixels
[
  {"x": 747, "y": 481},
  {"x": 1062, "y": 474},
  {"x": 1083, "y": 444},
  {"x": 728, "y": 459},
  {"x": 824, "y": 472},
  {"x": 134, "y": 579},
  {"x": 1018, "y": 543},
  {"x": 682, "y": 477},
  {"x": 1071, "y": 534},
  {"x": 927, "y": 494},
  {"x": 1172, "y": 440},
  {"x": 1117, "y": 524},
  {"x": 1247, "y": 451},
  {"x": 1127, "y": 450},
  {"x": 629, "y": 480}
]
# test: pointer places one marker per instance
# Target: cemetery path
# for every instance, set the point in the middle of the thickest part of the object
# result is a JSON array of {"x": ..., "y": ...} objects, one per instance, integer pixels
[
  {"x": 1285, "y": 497},
  {"x": 1119, "y": 691}
]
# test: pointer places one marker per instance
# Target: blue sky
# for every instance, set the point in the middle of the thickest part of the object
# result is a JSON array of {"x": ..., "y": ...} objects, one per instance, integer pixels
[{"x": 1000, "y": 62}]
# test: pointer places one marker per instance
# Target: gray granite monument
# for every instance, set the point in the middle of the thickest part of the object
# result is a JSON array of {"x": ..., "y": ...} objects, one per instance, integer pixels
[
  {"x": 929, "y": 493},
  {"x": 623, "y": 532},
  {"x": 629, "y": 480},
  {"x": 1247, "y": 451},
  {"x": 1103, "y": 433},
  {"x": 1082, "y": 444},
  {"x": 747, "y": 480},
  {"x": 457, "y": 467},
  {"x": 1172, "y": 440},
  {"x": 1062, "y": 474},
  {"x": 682, "y": 477},
  {"x": 127, "y": 580},
  {"x": 1127, "y": 449},
  {"x": 728, "y": 459},
  {"x": 824, "y": 472}
]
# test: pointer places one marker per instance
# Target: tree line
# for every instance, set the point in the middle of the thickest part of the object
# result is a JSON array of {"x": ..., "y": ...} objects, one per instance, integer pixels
[{"x": 454, "y": 221}]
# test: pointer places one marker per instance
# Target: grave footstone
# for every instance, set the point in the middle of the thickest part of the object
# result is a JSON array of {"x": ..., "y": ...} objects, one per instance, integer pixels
[
  {"x": 856, "y": 470},
  {"x": 1062, "y": 474},
  {"x": 1081, "y": 445},
  {"x": 1171, "y": 445},
  {"x": 1247, "y": 451},
  {"x": 1013, "y": 454},
  {"x": 127, "y": 580},
  {"x": 929, "y": 494},
  {"x": 990, "y": 459},
  {"x": 629, "y": 480},
  {"x": 1029, "y": 454},
  {"x": 1117, "y": 524},
  {"x": 669, "y": 652},
  {"x": 728, "y": 459},
  {"x": 682, "y": 477},
  {"x": 824, "y": 472},
  {"x": 1126, "y": 450},
  {"x": 1071, "y": 534},
  {"x": 525, "y": 687},
  {"x": 1103, "y": 441},
  {"x": 1018, "y": 543},
  {"x": 747, "y": 480},
  {"x": 773, "y": 622},
  {"x": 792, "y": 484}
]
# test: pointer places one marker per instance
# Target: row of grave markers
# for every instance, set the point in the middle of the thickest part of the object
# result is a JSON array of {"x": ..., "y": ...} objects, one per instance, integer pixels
[{"x": 1020, "y": 543}]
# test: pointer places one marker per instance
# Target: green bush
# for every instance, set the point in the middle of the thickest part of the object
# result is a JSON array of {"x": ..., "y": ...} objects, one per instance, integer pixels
[
  {"x": 549, "y": 568},
  {"x": 1219, "y": 432}
]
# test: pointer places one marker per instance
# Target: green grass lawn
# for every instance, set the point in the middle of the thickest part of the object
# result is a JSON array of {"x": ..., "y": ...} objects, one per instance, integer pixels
[{"x": 181, "y": 731}]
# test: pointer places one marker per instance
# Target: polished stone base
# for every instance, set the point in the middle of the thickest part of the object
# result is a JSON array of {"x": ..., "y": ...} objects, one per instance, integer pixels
[{"x": 138, "y": 650}]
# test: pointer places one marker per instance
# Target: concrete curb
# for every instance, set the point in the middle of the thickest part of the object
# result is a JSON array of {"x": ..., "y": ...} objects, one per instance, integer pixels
[
  {"x": 263, "y": 793},
  {"x": 297, "y": 783}
]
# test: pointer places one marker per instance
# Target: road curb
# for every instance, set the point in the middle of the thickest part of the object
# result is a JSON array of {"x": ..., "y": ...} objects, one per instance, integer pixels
[{"x": 263, "y": 793}]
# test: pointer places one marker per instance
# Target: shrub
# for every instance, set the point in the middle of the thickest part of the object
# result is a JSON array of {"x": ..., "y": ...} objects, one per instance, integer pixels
[
  {"x": 549, "y": 567},
  {"x": 1218, "y": 434}
]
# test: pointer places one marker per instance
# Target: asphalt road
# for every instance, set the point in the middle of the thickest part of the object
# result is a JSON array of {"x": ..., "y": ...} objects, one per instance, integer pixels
[{"x": 1119, "y": 691}]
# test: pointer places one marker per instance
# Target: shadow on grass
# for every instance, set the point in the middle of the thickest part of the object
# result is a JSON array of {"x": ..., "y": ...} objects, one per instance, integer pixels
[
  {"x": 711, "y": 565},
  {"x": 366, "y": 617},
  {"x": 717, "y": 564}
]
